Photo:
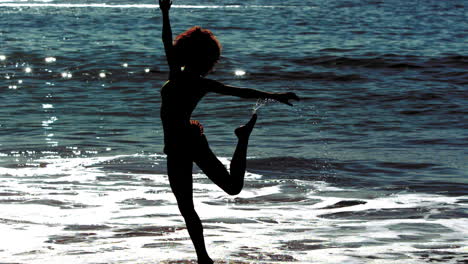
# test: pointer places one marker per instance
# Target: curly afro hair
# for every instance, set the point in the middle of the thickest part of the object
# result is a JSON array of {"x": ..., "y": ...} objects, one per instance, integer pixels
[{"x": 198, "y": 49}]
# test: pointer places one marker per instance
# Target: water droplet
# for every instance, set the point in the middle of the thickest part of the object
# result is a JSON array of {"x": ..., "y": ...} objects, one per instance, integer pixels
[
  {"x": 102, "y": 75},
  {"x": 260, "y": 103},
  {"x": 147, "y": 70},
  {"x": 50, "y": 59},
  {"x": 48, "y": 122},
  {"x": 239, "y": 72},
  {"x": 27, "y": 70},
  {"x": 66, "y": 75},
  {"x": 47, "y": 106},
  {"x": 2, "y": 57},
  {"x": 125, "y": 65}
]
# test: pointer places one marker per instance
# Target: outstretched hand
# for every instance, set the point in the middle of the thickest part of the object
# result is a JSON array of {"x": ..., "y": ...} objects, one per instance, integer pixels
[
  {"x": 285, "y": 97},
  {"x": 165, "y": 5}
]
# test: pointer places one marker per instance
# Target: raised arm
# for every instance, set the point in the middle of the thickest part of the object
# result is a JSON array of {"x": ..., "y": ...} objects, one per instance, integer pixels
[
  {"x": 217, "y": 87},
  {"x": 165, "y": 6}
]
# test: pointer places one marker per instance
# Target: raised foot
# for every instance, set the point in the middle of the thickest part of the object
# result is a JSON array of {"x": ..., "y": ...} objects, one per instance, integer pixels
[{"x": 245, "y": 130}]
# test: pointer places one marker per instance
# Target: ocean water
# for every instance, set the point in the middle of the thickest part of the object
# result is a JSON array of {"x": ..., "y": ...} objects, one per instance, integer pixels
[{"x": 369, "y": 167}]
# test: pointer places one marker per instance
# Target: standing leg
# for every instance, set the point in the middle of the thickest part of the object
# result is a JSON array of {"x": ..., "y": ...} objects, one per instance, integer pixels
[
  {"x": 233, "y": 182},
  {"x": 179, "y": 169}
]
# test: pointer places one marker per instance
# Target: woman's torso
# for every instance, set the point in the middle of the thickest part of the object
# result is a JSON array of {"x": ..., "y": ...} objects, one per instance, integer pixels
[{"x": 179, "y": 96}]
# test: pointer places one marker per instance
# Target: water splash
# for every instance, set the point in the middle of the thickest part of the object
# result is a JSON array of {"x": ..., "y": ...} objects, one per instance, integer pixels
[{"x": 260, "y": 102}]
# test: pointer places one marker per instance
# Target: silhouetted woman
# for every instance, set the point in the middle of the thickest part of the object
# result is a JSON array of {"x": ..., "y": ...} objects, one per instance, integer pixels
[{"x": 191, "y": 57}]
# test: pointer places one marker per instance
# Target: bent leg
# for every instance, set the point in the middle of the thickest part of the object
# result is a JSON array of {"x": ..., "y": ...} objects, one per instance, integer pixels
[
  {"x": 179, "y": 169},
  {"x": 207, "y": 161},
  {"x": 233, "y": 182}
]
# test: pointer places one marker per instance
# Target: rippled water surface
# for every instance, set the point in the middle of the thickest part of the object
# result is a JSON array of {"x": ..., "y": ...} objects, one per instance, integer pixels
[{"x": 369, "y": 167}]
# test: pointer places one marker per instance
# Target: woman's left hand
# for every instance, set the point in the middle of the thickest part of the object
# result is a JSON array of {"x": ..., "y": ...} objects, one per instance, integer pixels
[
  {"x": 165, "y": 5},
  {"x": 285, "y": 97}
]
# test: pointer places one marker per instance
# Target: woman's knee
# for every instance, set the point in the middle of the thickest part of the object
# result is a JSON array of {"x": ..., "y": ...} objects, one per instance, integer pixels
[{"x": 233, "y": 192}]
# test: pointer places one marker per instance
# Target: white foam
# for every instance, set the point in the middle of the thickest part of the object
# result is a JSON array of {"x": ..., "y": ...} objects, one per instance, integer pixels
[{"x": 114, "y": 203}]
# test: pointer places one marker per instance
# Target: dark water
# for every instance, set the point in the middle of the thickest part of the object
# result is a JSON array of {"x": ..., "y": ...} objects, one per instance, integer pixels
[{"x": 382, "y": 121}]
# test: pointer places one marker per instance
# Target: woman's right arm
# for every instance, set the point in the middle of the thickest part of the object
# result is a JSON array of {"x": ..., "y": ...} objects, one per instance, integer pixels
[{"x": 165, "y": 6}]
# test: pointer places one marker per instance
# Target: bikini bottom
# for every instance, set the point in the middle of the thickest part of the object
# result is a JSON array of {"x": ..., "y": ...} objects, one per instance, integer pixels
[{"x": 186, "y": 143}]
